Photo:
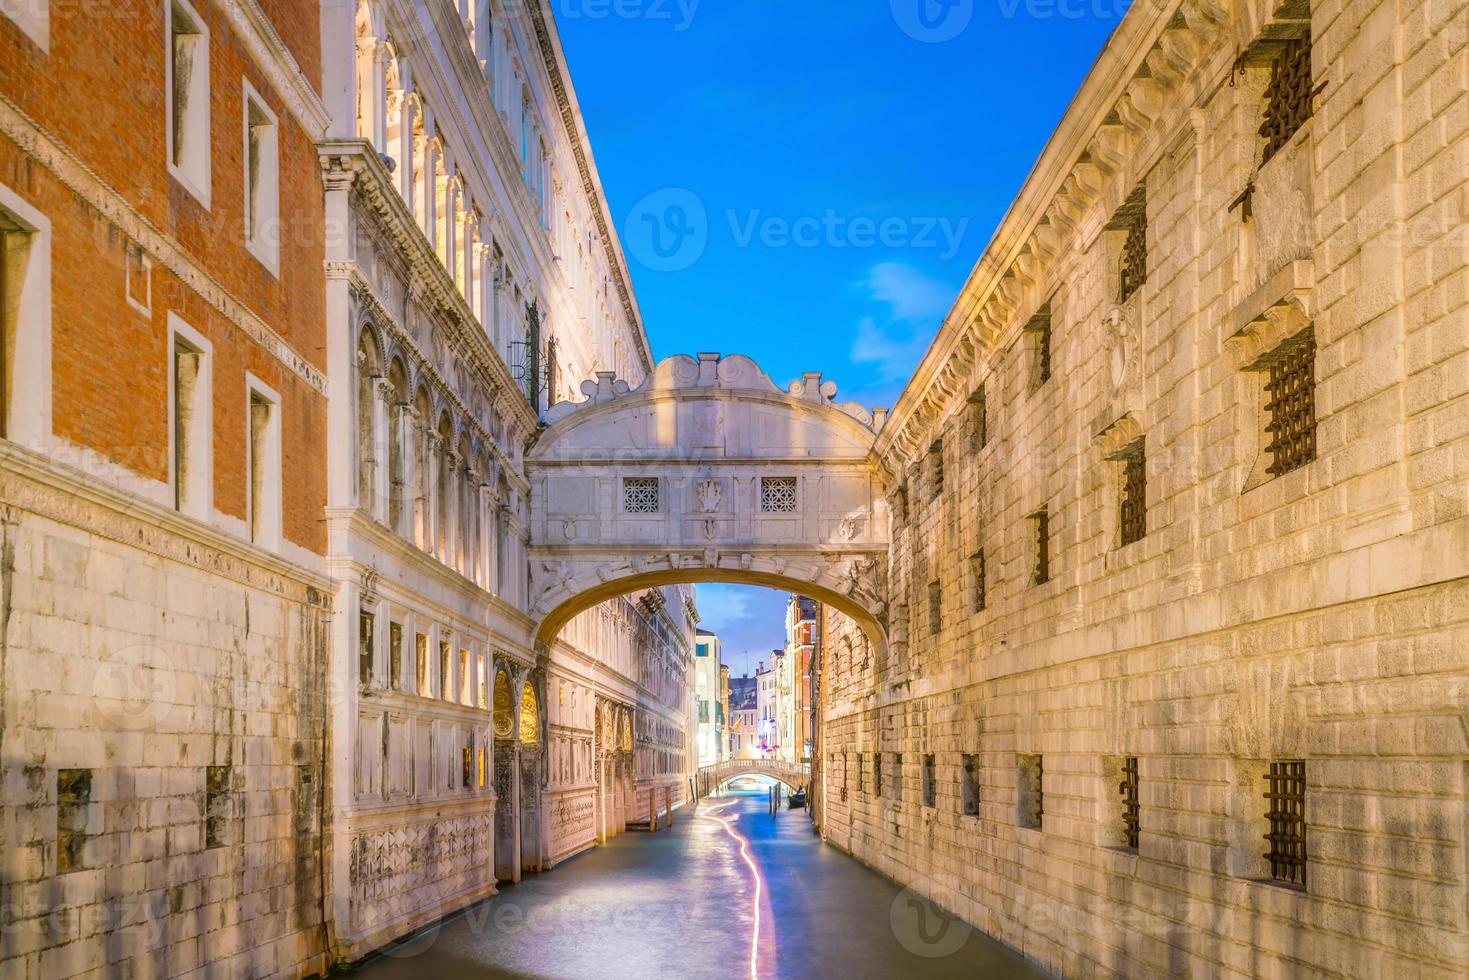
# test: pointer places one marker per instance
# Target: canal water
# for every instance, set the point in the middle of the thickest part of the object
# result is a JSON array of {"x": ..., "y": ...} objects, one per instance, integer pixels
[{"x": 729, "y": 892}]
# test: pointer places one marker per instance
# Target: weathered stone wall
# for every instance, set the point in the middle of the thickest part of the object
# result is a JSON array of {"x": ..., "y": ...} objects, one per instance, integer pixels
[
  {"x": 1317, "y": 615},
  {"x": 164, "y": 710}
]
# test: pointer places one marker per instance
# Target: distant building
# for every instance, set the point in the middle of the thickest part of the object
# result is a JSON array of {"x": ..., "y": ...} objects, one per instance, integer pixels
[
  {"x": 709, "y": 697},
  {"x": 744, "y": 718},
  {"x": 801, "y": 614}
]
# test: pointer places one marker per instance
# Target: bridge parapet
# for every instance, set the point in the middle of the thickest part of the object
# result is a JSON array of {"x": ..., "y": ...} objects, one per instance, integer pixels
[{"x": 793, "y": 774}]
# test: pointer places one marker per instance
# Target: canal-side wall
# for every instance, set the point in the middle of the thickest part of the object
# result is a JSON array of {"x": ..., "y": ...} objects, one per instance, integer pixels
[{"x": 1161, "y": 269}]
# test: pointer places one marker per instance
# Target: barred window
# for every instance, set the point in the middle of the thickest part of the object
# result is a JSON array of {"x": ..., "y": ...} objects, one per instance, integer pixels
[
  {"x": 971, "y": 785},
  {"x": 898, "y": 776},
  {"x": 1285, "y": 795},
  {"x": 1288, "y": 96},
  {"x": 1291, "y": 391},
  {"x": 1038, "y": 332},
  {"x": 930, "y": 788},
  {"x": 1131, "y": 809},
  {"x": 877, "y": 774},
  {"x": 936, "y": 468},
  {"x": 977, "y": 572},
  {"x": 1133, "y": 502},
  {"x": 364, "y": 647},
  {"x": 861, "y": 781},
  {"x": 1041, "y": 525},
  {"x": 974, "y": 417},
  {"x": 640, "y": 494},
  {"x": 778, "y": 494},
  {"x": 1030, "y": 804},
  {"x": 935, "y": 607},
  {"x": 1134, "y": 270}
]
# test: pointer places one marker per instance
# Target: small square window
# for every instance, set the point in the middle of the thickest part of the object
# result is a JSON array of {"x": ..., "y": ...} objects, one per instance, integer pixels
[
  {"x": 1288, "y": 96},
  {"x": 1132, "y": 504},
  {"x": 640, "y": 494},
  {"x": 1127, "y": 788},
  {"x": 778, "y": 494}
]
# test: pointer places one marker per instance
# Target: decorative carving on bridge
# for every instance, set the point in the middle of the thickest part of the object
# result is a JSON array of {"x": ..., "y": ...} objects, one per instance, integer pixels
[{"x": 708, "y": 494}]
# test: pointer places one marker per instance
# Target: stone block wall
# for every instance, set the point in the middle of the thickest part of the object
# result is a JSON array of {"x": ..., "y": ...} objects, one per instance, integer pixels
[
  {"x": 1316, "y": 615},
  {"x": 164, "y": 712}
]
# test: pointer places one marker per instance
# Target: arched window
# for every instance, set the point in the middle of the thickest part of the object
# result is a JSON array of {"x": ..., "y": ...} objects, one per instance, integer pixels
[
  {"x": 462, "y": 508},
  {"x": 397, "y": 436},
  {"x": 446, "y": 480},
  {"x": 423, "y": 412},
  {"x": 369, "y": 369},
  {"x": 502, "y": 532}
]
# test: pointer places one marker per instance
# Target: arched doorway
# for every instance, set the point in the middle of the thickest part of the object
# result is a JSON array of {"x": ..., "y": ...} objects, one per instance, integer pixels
[{"x": 531, "y": 759}]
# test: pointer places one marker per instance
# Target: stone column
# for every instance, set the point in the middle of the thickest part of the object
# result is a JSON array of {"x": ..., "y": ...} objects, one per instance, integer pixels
[{"x": 382, "y": 476}]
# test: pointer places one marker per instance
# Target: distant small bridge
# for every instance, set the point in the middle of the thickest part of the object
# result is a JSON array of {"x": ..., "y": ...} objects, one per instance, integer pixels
[{"x": 796, "y": 775}]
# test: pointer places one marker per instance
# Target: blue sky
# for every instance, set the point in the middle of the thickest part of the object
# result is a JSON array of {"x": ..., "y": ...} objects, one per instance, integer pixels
[{"x": 810, "y": 183}]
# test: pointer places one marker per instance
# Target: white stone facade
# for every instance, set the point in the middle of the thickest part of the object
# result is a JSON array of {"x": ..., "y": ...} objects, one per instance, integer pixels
[{"x": 1273, "y": 610}]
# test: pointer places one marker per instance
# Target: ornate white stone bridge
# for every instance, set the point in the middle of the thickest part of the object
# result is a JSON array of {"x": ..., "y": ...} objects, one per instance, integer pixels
[{"x": 707, "y": 472}]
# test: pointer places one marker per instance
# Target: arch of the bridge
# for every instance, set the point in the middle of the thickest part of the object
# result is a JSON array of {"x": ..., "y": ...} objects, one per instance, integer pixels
[
  {"x": 790, "y": 775},
  {"x": 707, "y": 472}
]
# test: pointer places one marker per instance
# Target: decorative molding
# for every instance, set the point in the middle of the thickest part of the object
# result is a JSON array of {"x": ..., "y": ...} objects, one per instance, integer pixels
[
  {"x": 271, "y": 55},
  {"x": 163, "y": 250}
]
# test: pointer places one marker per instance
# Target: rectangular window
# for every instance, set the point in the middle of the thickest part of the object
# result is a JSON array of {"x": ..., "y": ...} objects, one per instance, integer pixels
[
  {"x": 466, "y": 767},
  {"x": 466, "y": 685},
  {"x": 395, "y": 656},
  {"x": 876, "y": 775},
  {"x": 189, "y": 383},
  {"x": 446, "y": 676},
  {"x": 1132, "y": 505},
  {"x": 365, "y": 624},
  {"x": 898, "y": 776},
  {"x": 861, "y": 775},
  {"x": 1285, "y": 797},
  {"x": 935, "y": 608},
  {"x": 73, "y": 801},
  {"x": 975, "y": 420},
  {"x": 484, "y": 686},
  {"x": 425, "y": 682},
  {"x": 1038, "y": 339},
  {"x": 935, "y": 469},
  {"x": 1132, "y": 220},
  {"x": 262, "y": 181},
  {"x": 1288, "y": 96},
  {"x": 640, "y": 494},
  {"x": 1029, "y": 780},
  {"x": 930, "y": 781},
  {"x": 1040, "y": 523},
  {"x": 778, "y": 494},
  {"x": 1127, "y": 788},
  {"x": 1291, "y": 404},
  {"x": 187, "y": 98},
  {"x": 264, "y": 465},
  {"x": 976, "y": 579},
  {"x": 971, "y": 785},
  {"x": 218, "y": 808}
]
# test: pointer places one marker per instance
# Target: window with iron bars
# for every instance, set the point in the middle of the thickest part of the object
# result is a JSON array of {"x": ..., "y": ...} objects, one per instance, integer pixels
[
  {"x": 1285, "y": 794},
  {"x": 1039, "y": 332},
  {"x": 977, "y": 570},
  {"x": 978, "y": 435},
  {"x": 1041, "y": 524},
  {"x": 1131, "y": 808},
  {"x": 1288, "y": 96},
  {"x": 640, "y": 494},
  {"x": 1133, "y": 219},
  {"x": 936, "y": 469},
  {"x": 778, "y": 494},
  {"x": 935, "y": 607},
  {"x": 1291, "y": 390},
  {"x": 1133, "y": 502}
]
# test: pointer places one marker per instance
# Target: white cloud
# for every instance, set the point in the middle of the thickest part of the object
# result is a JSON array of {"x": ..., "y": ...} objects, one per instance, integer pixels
[{"x": 895, "y": 342}]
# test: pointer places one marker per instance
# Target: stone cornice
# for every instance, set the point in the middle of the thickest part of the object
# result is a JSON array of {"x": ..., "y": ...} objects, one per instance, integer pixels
[
  {"x": 160, "y": 248},
  {"x": 37, "y": 484},
  {"x": 373, "y": 182},
  {"x": 1158, "y": 56},
  {"x": 571, "y": 119},
  {"x": 254, "y": 29}
]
